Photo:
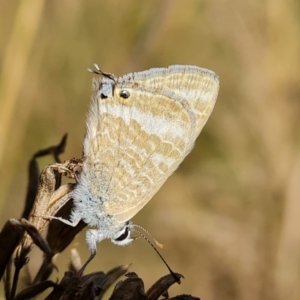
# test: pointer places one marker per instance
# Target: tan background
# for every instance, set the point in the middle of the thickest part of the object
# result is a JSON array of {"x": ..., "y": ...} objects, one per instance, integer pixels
[{"x": 229, "y": 218}]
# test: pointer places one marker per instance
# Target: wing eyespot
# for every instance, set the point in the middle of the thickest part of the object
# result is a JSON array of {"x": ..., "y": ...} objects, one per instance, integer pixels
[{"x": 124, "y": 94}]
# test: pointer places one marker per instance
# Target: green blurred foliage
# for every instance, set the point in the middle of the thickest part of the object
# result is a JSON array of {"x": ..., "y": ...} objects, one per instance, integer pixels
[{"x": 229, "y": 217}]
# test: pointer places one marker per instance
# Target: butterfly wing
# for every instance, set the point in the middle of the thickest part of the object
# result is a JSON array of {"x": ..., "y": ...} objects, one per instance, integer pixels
[{"x": 143, "y": 130}]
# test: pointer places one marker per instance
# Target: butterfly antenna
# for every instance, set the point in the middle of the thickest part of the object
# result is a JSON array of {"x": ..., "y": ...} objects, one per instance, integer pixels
[
  {"x": 176, "y": 276},
  {"x": 98, "y": 71},
  {"x": 159, "y": 245}
]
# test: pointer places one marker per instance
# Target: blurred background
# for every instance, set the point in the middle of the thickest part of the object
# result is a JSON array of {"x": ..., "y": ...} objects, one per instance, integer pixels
[{"x": 229, "y": 217}]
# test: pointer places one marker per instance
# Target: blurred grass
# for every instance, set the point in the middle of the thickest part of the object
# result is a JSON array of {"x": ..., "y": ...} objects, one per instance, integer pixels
[{"x": 229, "y": 218}]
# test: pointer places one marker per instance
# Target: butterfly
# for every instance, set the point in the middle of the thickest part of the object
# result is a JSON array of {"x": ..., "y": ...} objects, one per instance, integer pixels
[{"x": 139, "y": 128}]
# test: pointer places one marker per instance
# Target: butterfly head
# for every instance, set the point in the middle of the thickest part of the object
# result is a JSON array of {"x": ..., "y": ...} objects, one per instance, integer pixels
[{"x": 123, "y": 236}]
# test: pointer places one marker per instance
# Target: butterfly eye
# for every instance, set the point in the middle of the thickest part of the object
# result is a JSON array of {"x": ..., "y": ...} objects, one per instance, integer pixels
[
  {"x": 124, "y": 94},
  {"x": 124, "y": 235}
]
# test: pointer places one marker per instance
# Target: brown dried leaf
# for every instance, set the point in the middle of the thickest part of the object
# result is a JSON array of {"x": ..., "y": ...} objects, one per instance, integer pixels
[
  {"x": 33, "y": 173},
  {"x": 130, "y": 288},
  {"x": 34, "y": 290},
  {"x": 10, "y": 237},
  {"x": 161, "y": 286}
]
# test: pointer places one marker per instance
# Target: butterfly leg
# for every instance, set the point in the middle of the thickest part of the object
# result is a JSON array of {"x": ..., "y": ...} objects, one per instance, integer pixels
[
  {"x": 92, "y": 237},
  {"x": 93, "y": 254},
  {"x": 75, "y": 220}
]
